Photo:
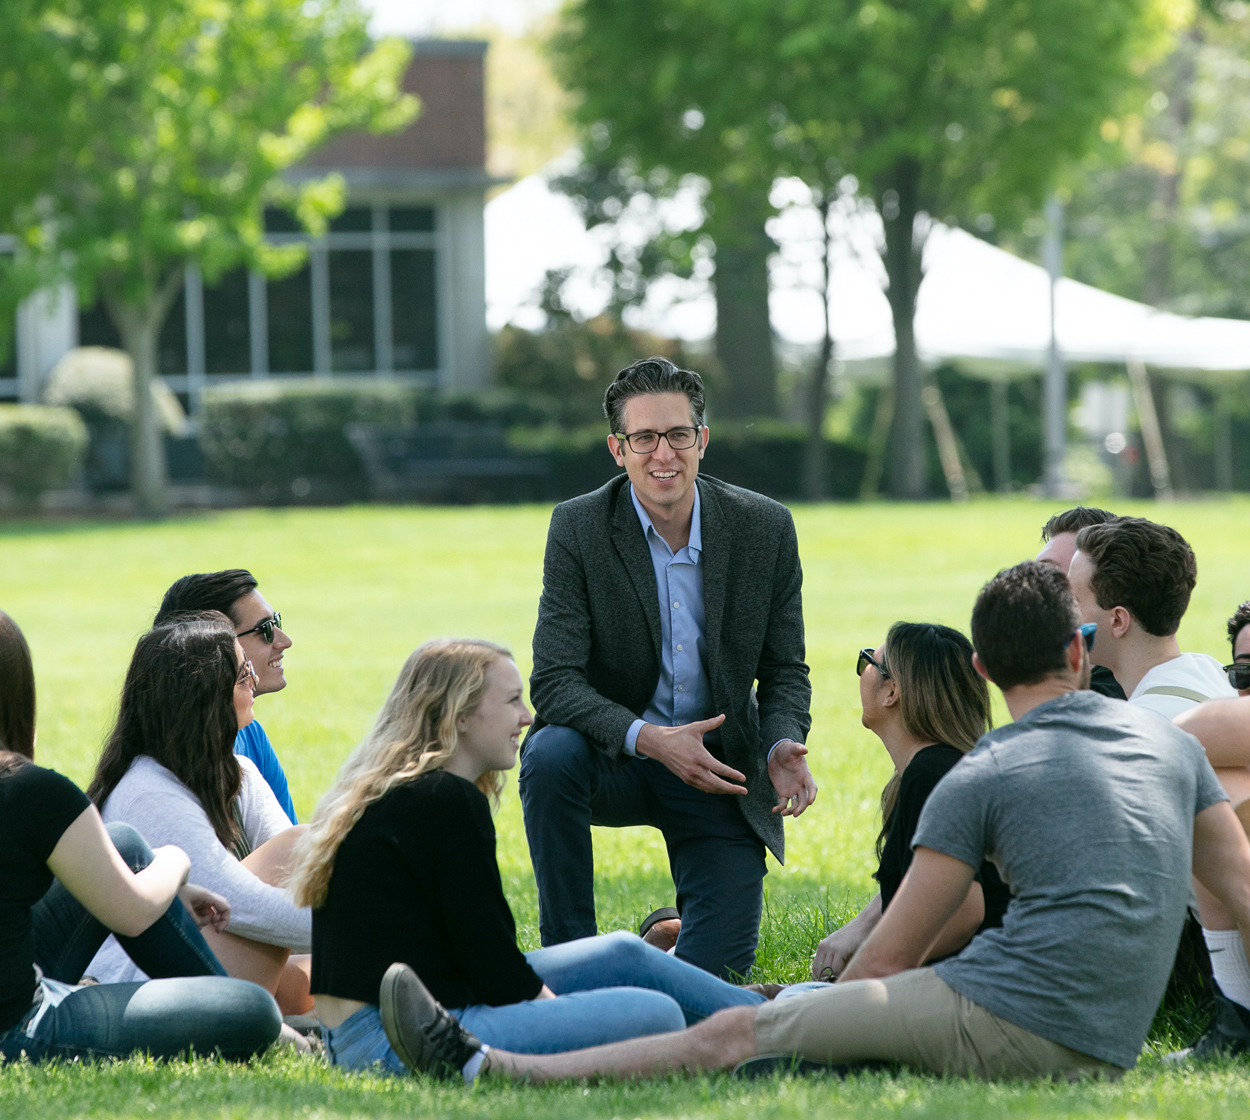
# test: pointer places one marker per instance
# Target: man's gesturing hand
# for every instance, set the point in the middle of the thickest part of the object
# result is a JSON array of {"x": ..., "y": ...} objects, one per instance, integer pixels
[
  {"x": 681, "y": 749},
  {"x": 793, "y": 781}
]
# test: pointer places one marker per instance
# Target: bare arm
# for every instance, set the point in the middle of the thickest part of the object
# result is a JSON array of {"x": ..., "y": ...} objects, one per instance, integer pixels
[
  {"x": 1222, "y": 862},
  {"x": 834, "y": 953},
  {"x": 963, "y": 924},
  {"x": 933, "y": 891},
  {"x": 91, "y": 869},
  {"x": 1223, "y": 729}
]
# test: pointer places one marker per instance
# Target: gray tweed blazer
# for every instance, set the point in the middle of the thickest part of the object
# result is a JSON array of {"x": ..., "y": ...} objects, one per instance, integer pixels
[{"x": 597, "y": 643}]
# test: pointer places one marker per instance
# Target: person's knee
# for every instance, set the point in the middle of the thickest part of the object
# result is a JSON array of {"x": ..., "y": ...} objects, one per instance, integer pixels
[
  {"x": 130, "y": 845},
  {"x": 255, "y": 1020},
  {"x": 557, "y": 754},
  {"x": 653, "y": 1012}
]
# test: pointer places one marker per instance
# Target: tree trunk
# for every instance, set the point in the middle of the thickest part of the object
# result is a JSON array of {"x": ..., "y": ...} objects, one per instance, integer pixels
[
  {"x": 899, "y": 203},
  {"x": 140, "y": 327},
  {"x": 744, "y": 336},
  {"x": 814, "y": 461}
]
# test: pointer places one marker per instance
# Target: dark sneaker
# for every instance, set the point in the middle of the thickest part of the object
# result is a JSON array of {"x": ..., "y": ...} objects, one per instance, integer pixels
[
  {"x": 1228, "y": 1034},
  {"x": 419, "y": 1029},
  {"x": 770, "y": 1065}
]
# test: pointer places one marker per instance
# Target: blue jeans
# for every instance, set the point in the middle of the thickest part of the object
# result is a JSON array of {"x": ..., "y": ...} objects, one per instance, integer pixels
[
  {"x": 607, "y": 989},
  {"x": 716, "y": 859},
  {"x": 190, "y": 1003}
]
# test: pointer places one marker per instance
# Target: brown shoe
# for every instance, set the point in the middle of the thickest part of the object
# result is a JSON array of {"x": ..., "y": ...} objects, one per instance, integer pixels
[
  {"x": 768, "y": 991},
  {"x": 660, "y": 928}
]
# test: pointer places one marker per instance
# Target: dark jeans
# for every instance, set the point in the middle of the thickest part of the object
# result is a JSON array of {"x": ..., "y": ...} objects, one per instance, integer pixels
[
  {"x": 189, "y": 1003},
  {"x": 716, "y": 859}
]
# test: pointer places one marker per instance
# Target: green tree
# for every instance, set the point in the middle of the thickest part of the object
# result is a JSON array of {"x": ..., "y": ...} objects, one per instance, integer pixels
[
  {"x": 940, "y": 108},
  {"x": 151, "y": 133}
]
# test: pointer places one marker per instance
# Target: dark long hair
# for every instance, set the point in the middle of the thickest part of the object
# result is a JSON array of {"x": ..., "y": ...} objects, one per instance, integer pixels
[
  {"x": 17, "y": 695},
  {"x": 177, "y": 707},
  {"x": 941, "y": 697}
]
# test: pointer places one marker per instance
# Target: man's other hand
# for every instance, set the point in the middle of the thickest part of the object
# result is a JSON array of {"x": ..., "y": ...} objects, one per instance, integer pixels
[
  {"x": 793, "y": 781},
  {"x": 681, "y": 749}
]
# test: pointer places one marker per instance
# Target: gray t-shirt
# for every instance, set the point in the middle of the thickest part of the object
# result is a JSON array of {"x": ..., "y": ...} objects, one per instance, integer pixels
[{"x": 1087, "y": 806}]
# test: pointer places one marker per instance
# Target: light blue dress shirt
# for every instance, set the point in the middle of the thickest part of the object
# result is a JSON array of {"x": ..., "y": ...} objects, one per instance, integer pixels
[{"x": 683, "y": 694}]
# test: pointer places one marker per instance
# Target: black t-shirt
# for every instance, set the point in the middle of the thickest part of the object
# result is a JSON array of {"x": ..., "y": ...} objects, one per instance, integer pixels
[
  {"x": 36, "y": 807},
  {"x": 928, "y": 767},
  {"x": 1102, "y": 680},
  {"x": 415, "y": 880}
]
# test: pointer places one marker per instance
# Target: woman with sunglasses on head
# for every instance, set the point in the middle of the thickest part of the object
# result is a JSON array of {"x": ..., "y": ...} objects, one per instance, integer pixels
[
  {"x": 65, "y": 881},
  {"x": 169, "y": 769},
  {"x": 399, "y": 866},
  {"x": 927, "y": 704}
]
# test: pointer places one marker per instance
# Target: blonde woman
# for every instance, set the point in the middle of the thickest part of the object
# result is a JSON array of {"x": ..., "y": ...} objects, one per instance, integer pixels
[
  {"x": 399, "y": 866},
  {"x": 928, "y": 706}
]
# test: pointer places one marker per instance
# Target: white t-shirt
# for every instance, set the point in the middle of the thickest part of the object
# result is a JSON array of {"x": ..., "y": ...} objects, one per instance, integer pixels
[
  {"x": 155, "y": 803},
  {"x": 1195, "y": 677}
]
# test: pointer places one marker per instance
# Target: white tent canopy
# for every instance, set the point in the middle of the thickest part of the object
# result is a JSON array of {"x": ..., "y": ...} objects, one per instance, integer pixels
[{"x": 977, "y": 303}]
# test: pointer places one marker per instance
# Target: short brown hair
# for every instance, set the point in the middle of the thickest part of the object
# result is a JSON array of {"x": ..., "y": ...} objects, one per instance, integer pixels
[
  {"x": 651, "y": 375},
  {"x": 1075, "y": 519},
  {"x": 1146, "y": 568},
  {"x": 1022, "y": 622},
  {"x": 17, "y": 691},
  {"x": 1239, "y": 621}
]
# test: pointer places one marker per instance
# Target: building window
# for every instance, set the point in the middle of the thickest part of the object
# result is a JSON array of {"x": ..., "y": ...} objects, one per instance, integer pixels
[
  {"x": 414, "y": 324},
  {"x": 355, "y": 219},
  {"x": 227, "y": 338},
  {"x": 96, "y": 328},
  {"x": 351, "y": 311},
  {"x": 290, "y": 323},
  {"x": 412, "y": 219}
]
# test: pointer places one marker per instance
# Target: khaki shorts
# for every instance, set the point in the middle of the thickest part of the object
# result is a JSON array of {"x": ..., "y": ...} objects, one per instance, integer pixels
[{"x": 916, "y": 1019}]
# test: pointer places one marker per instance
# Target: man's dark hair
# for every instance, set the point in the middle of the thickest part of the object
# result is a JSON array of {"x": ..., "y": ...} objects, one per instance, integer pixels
[
  {"x": 1076, "y": 519},
  {"x": 208, "y": 591},
  {"x": 1148, "y": 569},
  {"x": 651, "y": 375},
  {"x": 1022, "y": 622},
  {"x": 1239, "y": 621}
]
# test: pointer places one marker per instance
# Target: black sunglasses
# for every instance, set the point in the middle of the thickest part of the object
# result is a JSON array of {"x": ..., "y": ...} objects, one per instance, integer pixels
[
  {"x": 865, "y": 659},
  {"x": 1239, "y": 675},
  {"x": 265, "y": 627}
]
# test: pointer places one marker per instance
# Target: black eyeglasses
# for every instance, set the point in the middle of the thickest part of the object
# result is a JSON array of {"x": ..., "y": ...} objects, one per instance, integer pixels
[
  {"x": 865, "y": 659},
  {"x": 1239, "y": 675},
  {"x": 265, "y": 627},
  {"x": 1087, "y": 631},
  {"x": 643, "y": 443}
]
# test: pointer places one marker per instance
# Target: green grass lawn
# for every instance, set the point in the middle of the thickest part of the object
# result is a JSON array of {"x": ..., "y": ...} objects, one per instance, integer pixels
[{"x": 360, "y": 588}]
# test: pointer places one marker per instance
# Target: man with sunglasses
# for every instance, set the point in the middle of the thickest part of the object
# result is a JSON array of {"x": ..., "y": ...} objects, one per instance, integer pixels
[
  {"x": 669, "y": 685},
  {"x": 258, "y": 627}
]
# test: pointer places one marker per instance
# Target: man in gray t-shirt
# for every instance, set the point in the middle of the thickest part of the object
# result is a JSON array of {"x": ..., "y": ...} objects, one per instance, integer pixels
[
  {"x": 1094, "y": 812},
  {"x": 1087, "y": 808}
]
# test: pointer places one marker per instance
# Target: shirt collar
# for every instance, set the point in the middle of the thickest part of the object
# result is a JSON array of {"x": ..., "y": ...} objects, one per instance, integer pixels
[{"x": 695, "y": 545}]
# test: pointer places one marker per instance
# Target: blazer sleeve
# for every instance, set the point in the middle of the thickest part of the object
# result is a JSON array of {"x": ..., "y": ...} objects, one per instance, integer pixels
[
  {"x": 559, "y": 689},
  {"x": 784, "y": 689}
]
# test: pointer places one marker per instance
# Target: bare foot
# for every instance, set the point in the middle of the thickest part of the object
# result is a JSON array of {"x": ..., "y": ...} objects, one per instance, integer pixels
[{"x": 663, "y": 935}]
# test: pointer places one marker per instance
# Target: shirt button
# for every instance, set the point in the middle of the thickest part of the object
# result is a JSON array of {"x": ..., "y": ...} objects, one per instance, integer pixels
[
  {"x": 679, "y": 647},
  {"x": 676, "y": 605},
  {"x": 681, "y": 688}
]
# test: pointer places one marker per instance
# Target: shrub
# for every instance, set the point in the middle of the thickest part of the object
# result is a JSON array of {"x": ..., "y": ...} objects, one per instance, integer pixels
[{"x": 39, "y": 449}]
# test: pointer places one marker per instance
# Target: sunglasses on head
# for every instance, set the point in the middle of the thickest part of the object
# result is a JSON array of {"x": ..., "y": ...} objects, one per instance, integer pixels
[
  {"x": 1239, "y": 675},
  {"x": 265, "y": 628},
  {"x": 865, "y": 659}
]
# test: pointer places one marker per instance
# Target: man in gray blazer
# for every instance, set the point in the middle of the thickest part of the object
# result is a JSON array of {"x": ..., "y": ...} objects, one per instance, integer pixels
[{"x": 669, "y": 685}]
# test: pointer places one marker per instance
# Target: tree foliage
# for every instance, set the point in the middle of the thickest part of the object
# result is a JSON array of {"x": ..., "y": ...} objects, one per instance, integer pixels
[{"x": 150, "y": 133}]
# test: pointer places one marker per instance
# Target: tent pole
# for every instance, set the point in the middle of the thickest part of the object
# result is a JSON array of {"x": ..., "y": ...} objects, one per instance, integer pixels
[
  {"x": 1055, "y": 382},
  {"x": 1151, "y": 433},
  {"x": 1223, "y": 440},
  {"x": 1000, "y": 432}
]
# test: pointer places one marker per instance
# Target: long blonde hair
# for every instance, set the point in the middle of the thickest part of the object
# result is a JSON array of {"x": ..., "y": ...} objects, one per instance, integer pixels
[
  {"x": 941, "y": 697},
  {"x": 416, "y": 732}
]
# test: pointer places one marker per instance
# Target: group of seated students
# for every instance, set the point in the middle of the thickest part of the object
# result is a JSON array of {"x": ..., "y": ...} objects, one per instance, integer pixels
[{"x": 1021, "y": 869}]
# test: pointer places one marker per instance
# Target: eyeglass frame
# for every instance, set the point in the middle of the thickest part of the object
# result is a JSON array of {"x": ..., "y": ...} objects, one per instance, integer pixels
[
  {"x": 250, "y": 670},
  {"x": 1235, "y": 670},
  {"x": 866, "y": 658},
  {"x": 271, "y": 624},
  {"x": 1087, "y": 630},
  {"x": 627, "y": 438}
]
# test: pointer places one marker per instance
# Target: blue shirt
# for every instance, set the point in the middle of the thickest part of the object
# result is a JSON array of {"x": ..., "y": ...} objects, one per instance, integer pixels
[
  {"x": 683, "y": 694},
  {"x": 252, "y": 742}
]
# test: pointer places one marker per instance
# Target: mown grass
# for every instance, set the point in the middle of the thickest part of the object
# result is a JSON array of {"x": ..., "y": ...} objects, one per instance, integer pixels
[{"x": 360, "y": 587}]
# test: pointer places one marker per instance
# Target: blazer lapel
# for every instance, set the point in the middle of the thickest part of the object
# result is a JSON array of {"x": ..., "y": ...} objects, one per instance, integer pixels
[
  {"x": 632, "y": 548},
  {"x": 715, "y": 562}
]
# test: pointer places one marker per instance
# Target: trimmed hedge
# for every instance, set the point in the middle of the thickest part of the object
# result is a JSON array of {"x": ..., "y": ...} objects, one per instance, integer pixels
[{"x": 40, "y": 448}]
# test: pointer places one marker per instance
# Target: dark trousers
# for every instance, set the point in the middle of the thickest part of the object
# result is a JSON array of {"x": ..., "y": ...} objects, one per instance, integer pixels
[
  {"x": 716, "y": 859},
  {"x": 190, "y": 1004}
]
